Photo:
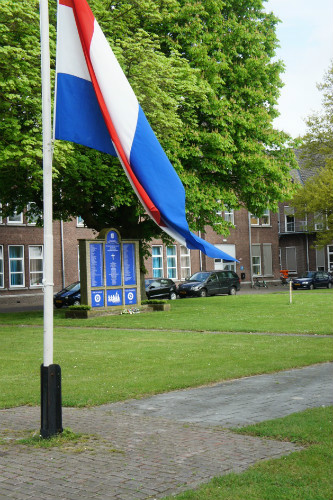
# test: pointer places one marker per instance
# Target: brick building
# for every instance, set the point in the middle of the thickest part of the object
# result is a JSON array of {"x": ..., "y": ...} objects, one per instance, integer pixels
[
  {"x": 254, "y": 242},
  {"x": 297, "y": 237},
  {"x": 21, "y": 257}
]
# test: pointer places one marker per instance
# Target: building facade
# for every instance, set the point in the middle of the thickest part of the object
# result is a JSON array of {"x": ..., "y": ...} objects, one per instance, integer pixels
[
  {"x": 21, "y": 257},
  {"x": 254, "y": 242}
]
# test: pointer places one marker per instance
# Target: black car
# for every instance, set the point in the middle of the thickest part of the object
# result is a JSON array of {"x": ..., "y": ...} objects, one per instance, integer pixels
[
  {"x": 161, "y": 288},
  {"x": 206, "y": 283},
  {"x": 69, "y": 296},
  {"x": 311, "y": 280}
]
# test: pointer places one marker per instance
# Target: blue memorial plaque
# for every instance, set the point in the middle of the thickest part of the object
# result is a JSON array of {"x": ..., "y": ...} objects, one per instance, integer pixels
[
  {"x": 130, "y": 296},
  {"x": 97, "y": 298},
  {"x": 96, "y": 264},
  {"x": 114, "y": 297},
  {"x": 113, "y": 263},
  {"x": 112, "y": 236},
  {"x": 129, "y": 264}
]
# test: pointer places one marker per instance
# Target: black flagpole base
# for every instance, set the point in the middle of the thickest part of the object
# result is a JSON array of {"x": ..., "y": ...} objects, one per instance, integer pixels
[{"x": 51, "y": 411}]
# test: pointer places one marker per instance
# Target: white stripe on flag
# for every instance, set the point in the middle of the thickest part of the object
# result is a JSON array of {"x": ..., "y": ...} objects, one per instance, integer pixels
[{"x": 119, "y": 98}]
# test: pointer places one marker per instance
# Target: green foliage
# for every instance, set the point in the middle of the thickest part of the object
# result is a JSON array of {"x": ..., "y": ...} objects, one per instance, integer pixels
[
  {"x": 154, "y": 301},
  {"x": 81, "y": 307},
  {"x": 314, "y": 199},
  {"x": 205, "y": 76}
]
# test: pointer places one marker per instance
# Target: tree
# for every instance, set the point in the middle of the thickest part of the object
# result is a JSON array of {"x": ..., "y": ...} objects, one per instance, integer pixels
[
  {"x": 315, "y": 198},
  {"x": 204, "y": 75}
]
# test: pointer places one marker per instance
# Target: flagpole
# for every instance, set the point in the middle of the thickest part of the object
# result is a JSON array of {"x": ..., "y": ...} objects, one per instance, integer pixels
[{"x": 51, "y": 419}]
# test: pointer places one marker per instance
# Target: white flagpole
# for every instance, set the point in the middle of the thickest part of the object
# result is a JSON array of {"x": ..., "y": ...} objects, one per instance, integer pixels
[
  {"x": 47, "y": 184},
  {"x": 51, "y": 420}
]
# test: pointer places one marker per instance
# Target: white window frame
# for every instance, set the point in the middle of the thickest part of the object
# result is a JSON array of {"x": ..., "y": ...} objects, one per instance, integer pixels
[
  {"x": 13, "y": 222},
  {"x": 254, "y": 218},
  {"x": 10, "y": 259},
  {"x": 256, "y": 264},
  {"x": 220, "y": 264},
  {"x": 289, "y": 212},
  {"x": 2, "y": 276},
  {"x": 172, "y": 275},
  {"x": 319, "y": 226},
  {"x": 79, "y": 221},
  {"x": 267, "y": 214},
  {"x": 159, "y": 273},
  {"x": 30, "y": 222},
  {"x": 34, "y": 285},
  {"x": 185, "y": 270},
  {"x": 330, "y": 258},
  {"x": 229, "y": 215}
]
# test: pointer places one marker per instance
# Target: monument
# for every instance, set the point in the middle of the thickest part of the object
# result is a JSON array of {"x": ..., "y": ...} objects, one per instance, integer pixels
[{"x": 110, "y": 271}]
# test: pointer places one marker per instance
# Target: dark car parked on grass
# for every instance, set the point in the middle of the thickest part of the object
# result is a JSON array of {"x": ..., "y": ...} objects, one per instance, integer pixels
[
  {"x": 69, "y": 296},
  {"x": 161, "y": 288},
  {"x": 206, "y": 283},
  {"x": 311, "y": 280}
]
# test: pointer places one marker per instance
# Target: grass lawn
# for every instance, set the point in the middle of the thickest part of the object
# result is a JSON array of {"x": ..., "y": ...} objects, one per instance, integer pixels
[
  {"x": 104, "y": 365},
  {"x": 310, "y": 312},
  {"x": 304, "y": 475}
]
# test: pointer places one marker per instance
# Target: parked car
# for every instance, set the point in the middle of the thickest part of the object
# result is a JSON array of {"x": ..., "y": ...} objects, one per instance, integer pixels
[
  {"x": 206, "y": 283},
  {"x": 161, "y": 288},
  {"x": 69, "y": 296},
  {"x": 311, "y": 280}
]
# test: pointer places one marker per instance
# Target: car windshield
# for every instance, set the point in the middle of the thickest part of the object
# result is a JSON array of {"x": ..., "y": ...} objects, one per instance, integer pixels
[
  {"x": 74, "y": 287},
  {"x": 199, "y": 277},
  {"x": 308, "y": 274}
]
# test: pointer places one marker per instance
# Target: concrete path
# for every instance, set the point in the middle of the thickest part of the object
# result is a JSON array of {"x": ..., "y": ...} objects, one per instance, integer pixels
[{"x": 157, "y": 446}]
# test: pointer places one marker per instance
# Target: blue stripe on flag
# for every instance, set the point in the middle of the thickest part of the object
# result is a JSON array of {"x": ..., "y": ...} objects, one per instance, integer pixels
[
  {"x": 79, "y": 118},
  {"x": 157, "y": 176}
]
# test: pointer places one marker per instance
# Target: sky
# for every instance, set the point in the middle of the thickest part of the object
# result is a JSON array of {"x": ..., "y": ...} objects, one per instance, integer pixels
[{"x": 306, "y": 40}]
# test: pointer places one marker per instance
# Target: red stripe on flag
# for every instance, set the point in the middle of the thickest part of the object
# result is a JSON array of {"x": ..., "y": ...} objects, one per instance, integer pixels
[{"x": 67, "y": 3}]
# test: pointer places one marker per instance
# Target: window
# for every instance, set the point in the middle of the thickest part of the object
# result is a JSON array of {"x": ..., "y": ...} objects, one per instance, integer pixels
[
  {"x": 15, "y": 218},
  {"x": 289, "y": 219},
  {"x": 16, "y": 265},
  {"x": 256, "y": 260},
  {"x": 1, "y": 267},
  {"x": 291, "y": 259},
  {"x": 36, "y": 265},
  {"x": 254, "y": 220},
  {"x": 229, "y": 216},
  {"x": 266, "y": 218},
  {"x": 319, "y": 222},
  {"x": 330, "y": 257},
  {"x": 220, "y": 264},
  {"x": 267, "y": 259},
  {"x": 171, "y": 252},
  {"x": 32, "y": 218},
  {"x": 157, "y": 261},
  {"x": 79, "y": 221},
  {"x": 185, "y": 263}
]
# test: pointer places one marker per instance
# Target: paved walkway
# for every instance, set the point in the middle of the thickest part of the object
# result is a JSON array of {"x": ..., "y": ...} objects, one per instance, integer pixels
[{"x": 160, "y": 445}]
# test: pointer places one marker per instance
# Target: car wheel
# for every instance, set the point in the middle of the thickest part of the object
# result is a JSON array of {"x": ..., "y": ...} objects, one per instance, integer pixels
[
  {"x": 76, "y": 302},
  {"x": 173, "y": 296},
  {"x": 58, "y": 306},
  {"x": 311, "y": 287},
  {"x": 203, "y": 293},
  {"x": 232, "y": 291}
]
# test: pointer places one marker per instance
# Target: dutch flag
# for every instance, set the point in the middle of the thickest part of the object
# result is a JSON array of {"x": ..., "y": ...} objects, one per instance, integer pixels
[{"x": 96, "y": 107}]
